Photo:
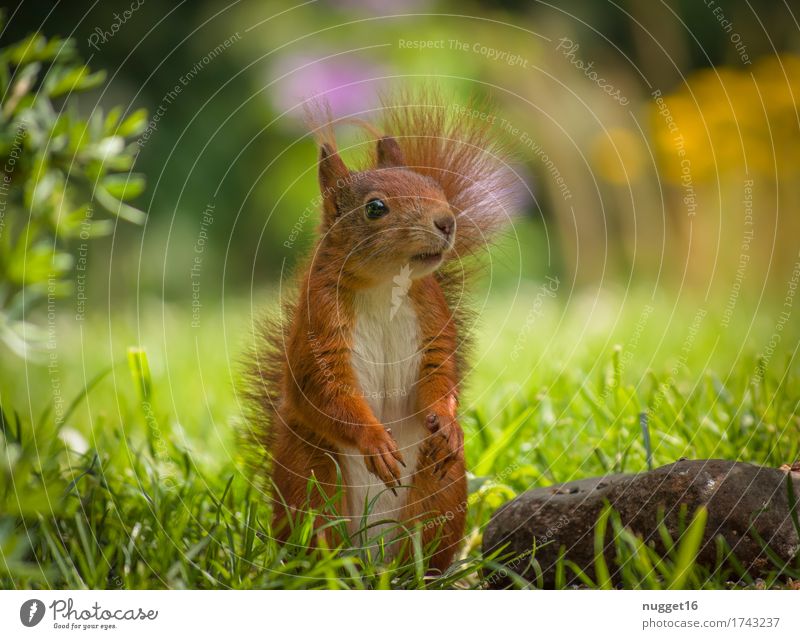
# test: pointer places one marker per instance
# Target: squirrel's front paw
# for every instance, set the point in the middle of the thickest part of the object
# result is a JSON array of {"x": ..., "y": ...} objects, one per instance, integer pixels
[
  {"x": 381, "y": 456},
  {"x": 445, "y": 444}
]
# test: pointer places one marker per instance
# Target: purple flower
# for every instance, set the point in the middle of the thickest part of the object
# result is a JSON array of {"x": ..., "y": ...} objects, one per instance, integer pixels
[{"x": 351, "y": 85}]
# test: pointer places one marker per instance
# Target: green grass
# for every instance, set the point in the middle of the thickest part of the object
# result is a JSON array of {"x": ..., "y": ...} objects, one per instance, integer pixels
[{"x": 142, "y": 485}]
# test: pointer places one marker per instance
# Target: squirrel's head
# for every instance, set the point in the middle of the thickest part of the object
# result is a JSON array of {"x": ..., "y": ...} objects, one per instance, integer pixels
[
  {"x": 436, "y": 190},
  {"x": 385, "y": 219}
]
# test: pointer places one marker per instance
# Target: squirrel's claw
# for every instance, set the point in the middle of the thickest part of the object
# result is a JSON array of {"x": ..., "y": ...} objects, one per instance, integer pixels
[
  {"x": 396, "y": 454},
  {"x": 385, "y": 468},
  {"x": 381, "y": 457},
  {"x": 444, "y": 446}
]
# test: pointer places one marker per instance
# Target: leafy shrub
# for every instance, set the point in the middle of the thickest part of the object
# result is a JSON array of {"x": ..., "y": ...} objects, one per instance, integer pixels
[{"x": 57, "y": 166}]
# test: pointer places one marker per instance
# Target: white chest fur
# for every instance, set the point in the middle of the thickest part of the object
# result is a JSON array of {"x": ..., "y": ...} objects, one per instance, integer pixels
[{"x": 386, "y": 361}]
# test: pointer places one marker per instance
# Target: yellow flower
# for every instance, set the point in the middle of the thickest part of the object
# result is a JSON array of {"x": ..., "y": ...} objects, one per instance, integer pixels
[{"x": 617, "y": 155}]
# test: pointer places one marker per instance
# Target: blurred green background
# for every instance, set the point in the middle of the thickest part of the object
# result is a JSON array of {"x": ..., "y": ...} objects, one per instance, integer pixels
[{"x": 232, "y": 135}]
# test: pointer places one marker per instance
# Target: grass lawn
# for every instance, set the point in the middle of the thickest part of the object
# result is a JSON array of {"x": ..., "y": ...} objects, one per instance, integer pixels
[{"x": 146, "y": 489}]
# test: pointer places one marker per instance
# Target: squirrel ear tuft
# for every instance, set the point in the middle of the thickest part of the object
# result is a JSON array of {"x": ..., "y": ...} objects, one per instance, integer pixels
[
  {"x": 389, "y": 153},
  {"x": 332, "y": 174}
]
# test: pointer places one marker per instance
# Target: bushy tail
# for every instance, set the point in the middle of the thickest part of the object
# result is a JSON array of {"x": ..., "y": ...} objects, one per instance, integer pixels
[
  {"x": 260, "y": 390},
  {"x": 461, "y": 149}
]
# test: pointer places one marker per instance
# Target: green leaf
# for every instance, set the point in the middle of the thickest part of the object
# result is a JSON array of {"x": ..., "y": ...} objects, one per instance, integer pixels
[
  {"x": 109, "y": 147},
  {"x": 687, "y": 549},
  {"x": 44, "y": 188},
  {"x": 600, "y": 566},
  {"x": 70, "y": 224},
  {"x": 111, "y": 121},
  {"x": 140, "y": 371},
  {"x": 23, "y": 84},
  {"x": 5, "y": 77},
  {"x": 37, "y": 48},
  {"x": 134, "y": 124},
  {"x": 118, "y": 208},
  {"x": 124, "y": 187},
  {"x": 501, "y": 444},
  {"x": 26, "y": 50},
  {"x": 39, "y": 264},
  {"x": 74, "y": 80},
  {"x": 121, "y": 163}
]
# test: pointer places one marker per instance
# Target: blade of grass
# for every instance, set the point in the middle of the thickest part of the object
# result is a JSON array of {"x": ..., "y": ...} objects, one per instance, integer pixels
[{"x": 688, "y": 547}]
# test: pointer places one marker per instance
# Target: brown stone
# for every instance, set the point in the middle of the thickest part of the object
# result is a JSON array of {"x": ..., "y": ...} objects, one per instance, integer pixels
[{"x": 744, "y": 502}]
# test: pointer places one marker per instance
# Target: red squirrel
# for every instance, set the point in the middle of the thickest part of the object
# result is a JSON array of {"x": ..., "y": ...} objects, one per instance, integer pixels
[{"x": 360, "y": 377}]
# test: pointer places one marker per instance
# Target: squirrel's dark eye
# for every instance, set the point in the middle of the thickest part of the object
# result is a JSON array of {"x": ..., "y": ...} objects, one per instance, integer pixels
[{"x": 375, "y": 209}]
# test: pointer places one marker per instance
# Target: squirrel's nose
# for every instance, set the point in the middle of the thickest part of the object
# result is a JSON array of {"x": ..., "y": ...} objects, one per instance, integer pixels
[{"x": 445, "y": 225}]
